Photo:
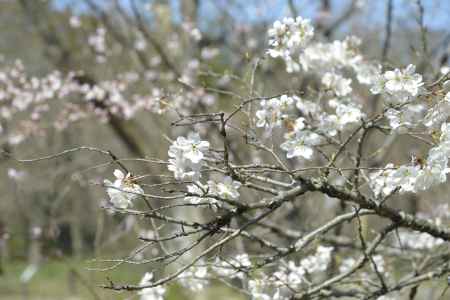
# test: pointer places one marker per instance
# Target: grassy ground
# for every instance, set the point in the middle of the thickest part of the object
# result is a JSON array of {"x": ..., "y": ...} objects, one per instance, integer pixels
[{"x": 69, "y": 279}]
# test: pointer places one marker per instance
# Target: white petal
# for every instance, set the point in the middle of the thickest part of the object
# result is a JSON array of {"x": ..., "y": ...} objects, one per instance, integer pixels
[{"x": 118, "y": 174}]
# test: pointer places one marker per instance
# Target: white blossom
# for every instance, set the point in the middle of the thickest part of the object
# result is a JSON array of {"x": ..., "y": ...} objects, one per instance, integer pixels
[
  {"x": 75, "y": 22},
  {"x": 434, "y": 172},
  {"x": 438, "y": 113},
  {"x": 228, "y": 188},
  {"x": 339, "y": 85},
  {"x": 407, "y": 117},
  {"x": 300, "y": 144},
  {"x": 152, "y": 293},
  {"x": 308, "y": 108},
  {"x": 417, "y": 176},
  {"x": 193, "y": 148},
  {"x": 288, "y": 36},
  {"x": 321, "y": 57},
  {"x": 403, "y": 80},
  {"x": 202, "y": 192},
  {"x": 186, "y": 156},
  {"x": 398, "y": 85},
  {"x": 419, "y": 240},
  {"x": 98, "y": 40},
  {"x": 194, "y": 278},
  {"x": 123, "y": 190},
  {"x": 367, "y": 73},
  {"x": 404, "y": 177},
  {"x": 379, "y": 181},
  {"x": 291, "y": 274},
  {"x": 347, "y": 264},
  {"x": 379, "y": 262},
  {"x": 319, "y": 261},
  {"x": 140, "y": 43},
  {"x": 16, "y": 175},
  {"x": 257, "y": 288},
  {"x": 346, "y": 115},
  {"x": 232, "y": 267},
  {"x": 272, "y": 112}
]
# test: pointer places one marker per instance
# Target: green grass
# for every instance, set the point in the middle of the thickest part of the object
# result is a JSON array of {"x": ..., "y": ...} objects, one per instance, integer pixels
[{"x": 55, "y": 281}]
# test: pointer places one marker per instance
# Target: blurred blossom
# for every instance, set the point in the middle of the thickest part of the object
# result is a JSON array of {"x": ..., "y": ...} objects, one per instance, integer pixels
[
  {"x": 418, "y": 240},
  {"x": 186, "y": 156},
  {"x": 252, "y": 43},
  {"x": 155, "y": 61},
  {"x": 140, "y": 43},
  {"x": 147, "y": 234},
  {"x": 153, "y": 293},
  {"x": 75, "y": 22},
  {"x": 194, "y": 278},
  {"x": 16, "y": 175},
  {"x": 97, "y": 40},
  {"x": 224, "y": 80},
  {"x": 123, "y": 190},
  {"x": 36, "y": 232},
  {"x": 289, "y": 36},
  {"x": 28, "y": 273},
  {"x": 193, "y": 32},
  {"x": 347, "y": 264},
  {"x": 209, "y": 53}
]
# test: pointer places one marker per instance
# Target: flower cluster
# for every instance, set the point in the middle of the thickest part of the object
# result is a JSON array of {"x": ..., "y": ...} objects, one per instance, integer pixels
[
  {"x": 303, "y": 127},
  {"x": 73, "y": 97},
  {"x": 98, "y": 42},
  {"x": 153, "y": 293},
  {"x": 331, "y": 61},
  {"x": 438, "y": 113},
  {"x": 409, "y": 116},
  {"x": 75, "y": 21},
  {"x": 419, "y": 241},
  {"x": 272, "y": 112},
  {"x": 227, "y": 189},
  {"x": 301, "y": 144},
  {"x": 417, "y": 176},
  {"x": 186, "y": 156},
  {"x": 300, "y": 141},
  {"x": 123, "y": 190},
  {"x": 16, "y": 175},
  {"x": 194, "y": 278},
  {"x": 398, "y": 85},
  {"x": 347, "y": 114},
  {"x": 338, "y": 84},
  {"x": 234, "y": 267},
  {"x": 330, "y": 56},
  {"x": 290, "y": 276},
  {"x": 347, "y": 264},
  {"x": 289, "y": 36}
]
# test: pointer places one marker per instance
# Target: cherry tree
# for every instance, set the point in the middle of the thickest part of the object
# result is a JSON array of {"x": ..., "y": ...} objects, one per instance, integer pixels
[{"x": 226, "y": 204}]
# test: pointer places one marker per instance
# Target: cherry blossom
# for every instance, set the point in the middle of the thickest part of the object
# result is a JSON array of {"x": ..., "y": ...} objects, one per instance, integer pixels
[
  {"x": 289, "y": 35},
  {"x": 326, "y": 125},
  {"x": 300, "y": 144},
  {"x": 153, "y": 293},
  {"x": 273, "y": 112},
  {"x": 339, "y": 85},
  {"x": 403, "y": 80},
  {"x": 228, "y": 188},
  {"x": 123, "y": 190},
  {"x": 186, "y": 156},
  {"x": 195, "y": 278},
  {"x": 398, "y": 85}
]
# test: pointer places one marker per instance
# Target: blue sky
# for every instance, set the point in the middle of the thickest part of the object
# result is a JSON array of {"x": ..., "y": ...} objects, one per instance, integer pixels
[{"x": 437, "y": 12}]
